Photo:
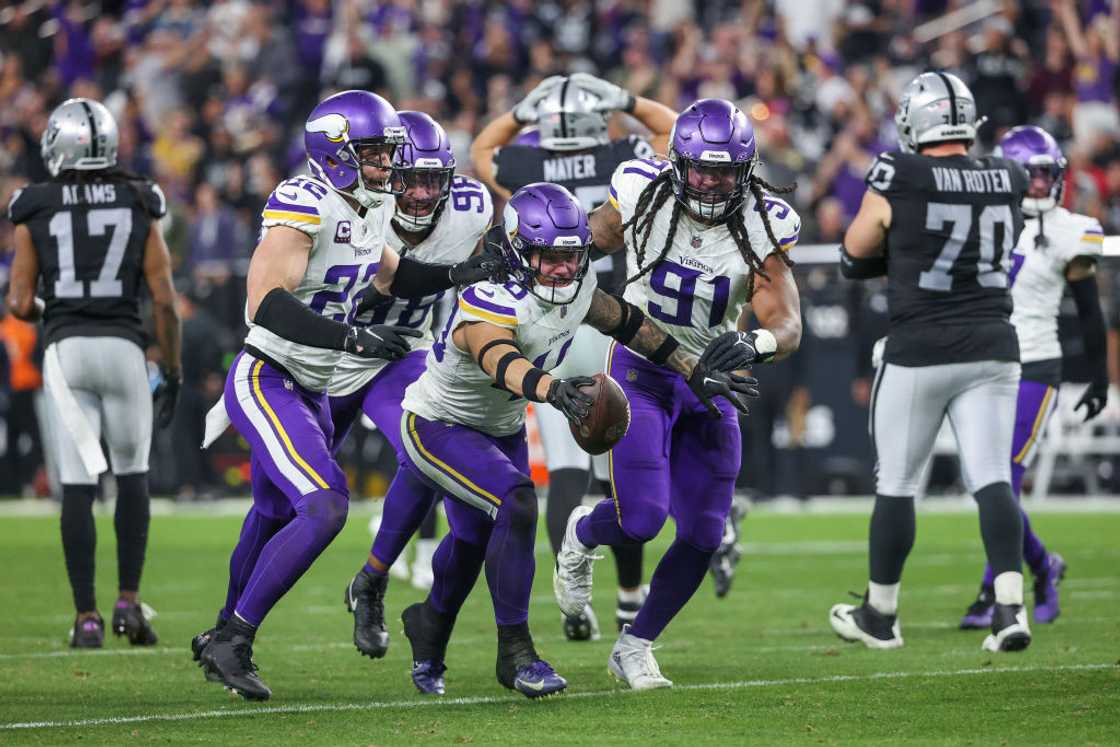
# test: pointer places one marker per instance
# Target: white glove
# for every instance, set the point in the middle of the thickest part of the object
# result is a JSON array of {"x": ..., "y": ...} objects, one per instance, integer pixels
[
  {"x": 611, "y": 97},
  {"x": 525, "y": 112}
]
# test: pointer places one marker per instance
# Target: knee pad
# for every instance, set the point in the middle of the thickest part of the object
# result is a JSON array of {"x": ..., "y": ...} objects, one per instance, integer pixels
[
  {"x": 642, "y": 526},
  {"x": 705, "y": 534},
  {"x": 521, "y": 504},
  {"x": 327, "y": 509}
]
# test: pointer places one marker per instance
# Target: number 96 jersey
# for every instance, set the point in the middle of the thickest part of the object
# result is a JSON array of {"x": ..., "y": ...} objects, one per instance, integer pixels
[
  {"x": 698, "y": 291},
  {"x": 345, "y": 254},
  {"x": 455, "y": 389},
  {"x": 461, "y": 223}
]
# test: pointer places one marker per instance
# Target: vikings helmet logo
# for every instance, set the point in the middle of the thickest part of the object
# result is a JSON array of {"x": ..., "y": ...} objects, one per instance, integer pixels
[{"x": 334, "y": 127}]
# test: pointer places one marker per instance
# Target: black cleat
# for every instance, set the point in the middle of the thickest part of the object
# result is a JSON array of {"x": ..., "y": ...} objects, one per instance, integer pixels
[
  {"x": 1010, "y": 631},
  {"x": 198, "y": 645},
  {"x": 519, "y": 668},
  {"x": 581, "y": 627},
  {"x": 365, "y": 598},
  {"x": 865, "y": 624},
  {"x": 230, "y": 655},
  {"x": 131, "y": 619},
  {"x": 727, "y": 555},
  {"x": 427, "y": 632},
  {"x": 88, "y": 633}
]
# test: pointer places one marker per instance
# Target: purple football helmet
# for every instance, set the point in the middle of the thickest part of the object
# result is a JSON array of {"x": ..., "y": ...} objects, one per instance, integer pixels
[
  {"x": 712, "y": 152},
  {"x": 337, "y": 131},
  {"x": 1038, "y": 152},
  {"x": 422, "y": 171},
  {"x": 547, "y": 241}
]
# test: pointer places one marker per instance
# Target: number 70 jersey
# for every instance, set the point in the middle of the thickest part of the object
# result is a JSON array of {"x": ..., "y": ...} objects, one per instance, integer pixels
[
  {"x": 698, "y": 291},
  {"x": 954, "y": 221}
]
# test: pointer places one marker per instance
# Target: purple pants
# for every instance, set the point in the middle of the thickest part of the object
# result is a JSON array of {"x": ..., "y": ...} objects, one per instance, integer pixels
[{"x": 380, "y": 399}]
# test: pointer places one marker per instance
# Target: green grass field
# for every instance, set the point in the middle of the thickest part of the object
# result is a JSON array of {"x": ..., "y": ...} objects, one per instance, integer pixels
[{"x": 759, "y": 666}]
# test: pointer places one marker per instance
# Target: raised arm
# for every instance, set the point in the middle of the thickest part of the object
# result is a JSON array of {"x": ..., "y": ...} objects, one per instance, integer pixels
[{"x": 499, "y": 132}]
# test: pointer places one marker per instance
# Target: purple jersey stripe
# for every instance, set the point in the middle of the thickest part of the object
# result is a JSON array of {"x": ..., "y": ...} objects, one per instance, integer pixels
[
  {"x": 642, "y": 172},
  {"x": 473, "y": 298},
  {"x": 275, "y": 204}
]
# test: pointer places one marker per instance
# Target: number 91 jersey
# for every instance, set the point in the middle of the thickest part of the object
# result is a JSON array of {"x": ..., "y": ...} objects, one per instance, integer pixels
[
  {"x": 455, "y": 389},
  {"x": 345, "y": 254},
  {"x": 954, "y": 222},
  {"x": 698, "y": 291},
  {"x": 461, "y": 223}
]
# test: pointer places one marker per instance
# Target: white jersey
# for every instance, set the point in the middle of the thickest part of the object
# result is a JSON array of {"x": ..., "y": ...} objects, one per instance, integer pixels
[
  {"x": 455, "y": 389},
  {"x": 1038, "y": 277},
  {"x": 698, "y": 291},
  {"x": 462, "y": 222},
  {"x": 345, "y": 254}
]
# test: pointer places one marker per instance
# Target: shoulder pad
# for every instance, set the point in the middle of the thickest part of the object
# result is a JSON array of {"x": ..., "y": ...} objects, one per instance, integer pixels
[
  {"x": 628, "y": 181},
  {"x": 1088, "y": 236},
  {"x": 784, "y": 220},
  {"x": 295, "y": 203},
  {"x": 26, "y": 202},
  {"x": 491, "y": 303},
  {"x": 891, "y": 172},
  {"x": 472, "y": 190},
  {"x": 153, "y": 199}
]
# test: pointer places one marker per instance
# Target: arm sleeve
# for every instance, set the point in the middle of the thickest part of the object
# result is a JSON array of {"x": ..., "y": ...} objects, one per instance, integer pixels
[
  {"x": 284, "y": 314},
  {"x": 1087, "y": 298},
  {"x": 414, "y": 279}
]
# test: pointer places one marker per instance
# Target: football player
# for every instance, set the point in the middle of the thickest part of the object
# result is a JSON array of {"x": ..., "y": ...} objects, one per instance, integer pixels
[
  {"x": 1056, "y": 248},
  {"x": 91, "y": 237},
  {"x": 573, "y": 149},
  {"x": 323, "y": 241},
  {"x": 703, "y": 241},
  {"x": 940, "y": 225},
  {"x": 463, "y": 426},
  {"x": 435, "y": 217}
]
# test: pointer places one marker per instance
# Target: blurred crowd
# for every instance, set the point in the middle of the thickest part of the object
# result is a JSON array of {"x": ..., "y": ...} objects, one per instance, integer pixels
[{"x": 210, "y": 98}]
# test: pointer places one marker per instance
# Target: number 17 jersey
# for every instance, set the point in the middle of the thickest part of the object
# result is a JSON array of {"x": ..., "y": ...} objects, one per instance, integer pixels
[{"x": 954, "y": 221}]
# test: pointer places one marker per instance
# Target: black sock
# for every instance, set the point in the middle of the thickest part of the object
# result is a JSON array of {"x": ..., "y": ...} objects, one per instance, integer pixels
[
  {"x": 79, "y": 542},
  {"x": 1001, "y": 527},
  {"x": 891, "y": 537},
  {"x": 566, "y": 488},
  {"x": 131, "y": 522},
  {"x": 628, "y": 560},
  {"x": 428, "y": 526}
]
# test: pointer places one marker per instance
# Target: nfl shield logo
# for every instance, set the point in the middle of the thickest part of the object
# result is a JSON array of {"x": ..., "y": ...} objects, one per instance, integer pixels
[{"x": 696, "y": 242}]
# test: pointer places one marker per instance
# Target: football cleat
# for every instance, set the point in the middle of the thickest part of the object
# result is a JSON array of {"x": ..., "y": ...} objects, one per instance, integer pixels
[
  {"x": 230, "y": 655},
  {"x": 365, "y": 599},
  {"x": 199, "y": 644},
  {"x": 1046, "y": 608},
  {"x": 88, "y": 633},
  {"x": 632, "y": 662},
  {"x": 1010, "y": 631},
  {"x": 571, "y": 580},
  {"x": 626, "y": 611},
  {"x": 865, "y": 624},
  {"x": 727, "y": 556},
  {"x": 132, "y": 620},
  {"x": 979, "y": 613},
  {"x": 581, "y": 627},
  {"x": 519, "y": 668},
  {"x": 427, "y": 632}
]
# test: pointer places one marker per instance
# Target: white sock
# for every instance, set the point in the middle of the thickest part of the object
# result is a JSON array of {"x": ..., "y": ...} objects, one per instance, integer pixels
[
  {"x": 1009, "y": 588},
  {"x": 630, "y": 597},
  {"x": 425, "y": 549},
  {"x": 883, "y": 597}
]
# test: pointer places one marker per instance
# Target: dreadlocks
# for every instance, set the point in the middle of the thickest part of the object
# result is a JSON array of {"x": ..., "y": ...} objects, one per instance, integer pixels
[{"x": 653, "y": 198}]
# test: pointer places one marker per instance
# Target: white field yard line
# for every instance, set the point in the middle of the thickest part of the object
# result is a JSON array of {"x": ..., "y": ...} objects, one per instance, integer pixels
[{"x": 488, "y": 700}]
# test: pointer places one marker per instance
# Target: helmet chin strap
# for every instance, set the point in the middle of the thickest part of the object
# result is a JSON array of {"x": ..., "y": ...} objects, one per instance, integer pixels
[{"x": 1035, "y": 206}]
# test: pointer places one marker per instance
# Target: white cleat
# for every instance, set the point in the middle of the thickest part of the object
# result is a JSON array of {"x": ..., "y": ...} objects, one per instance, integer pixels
[
  {"x": 571, "y": 579},
  {"x": 632, "y": 662},
  {"x": 866, "y": 625},
  {"x": 1010, "y": 631}
]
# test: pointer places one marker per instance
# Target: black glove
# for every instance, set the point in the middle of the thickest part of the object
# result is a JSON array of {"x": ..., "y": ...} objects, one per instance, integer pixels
[
  {"x": 165, "y": 397},
  {"x": 731, "y": 351},
  {"x": 1093, "y": 400},
  {"x": 371, "y": 299},
  {"x": 565, "y": 395},
  {"x": 707, "y": 384},
  {"x": 486, "y": 265},
  {"x": 379, "y": 341}
]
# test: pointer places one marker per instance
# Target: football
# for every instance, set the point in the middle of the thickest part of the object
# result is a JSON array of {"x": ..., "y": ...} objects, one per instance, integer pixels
[{"x": 609, "y": 418}]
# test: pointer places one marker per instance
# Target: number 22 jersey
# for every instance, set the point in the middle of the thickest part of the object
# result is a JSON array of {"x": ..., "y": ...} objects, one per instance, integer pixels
[{"x": 698, "y": 291}]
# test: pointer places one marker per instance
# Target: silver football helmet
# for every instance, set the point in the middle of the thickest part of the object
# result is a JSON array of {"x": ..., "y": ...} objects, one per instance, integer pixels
[
  {"x": 934, "y": 108},
  {"x": 567, "y": 119},
  {"x": 81, "y": 134}
]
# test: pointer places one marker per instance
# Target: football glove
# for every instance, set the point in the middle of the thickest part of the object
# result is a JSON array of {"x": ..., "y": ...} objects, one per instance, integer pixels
[
  {"x": 166, "y": 397},
  {"x": 525, "y": 112},
  {"x": 1093, "y": 400},
  {"x": 567, "y": 397},
  {"x": 379, "y": 341},
  {"x": 707, "y": 384},
  {"x": 486, "y": 265},
  {"x": 734, "y": 351},
  {"x": 612, "y": 98}
]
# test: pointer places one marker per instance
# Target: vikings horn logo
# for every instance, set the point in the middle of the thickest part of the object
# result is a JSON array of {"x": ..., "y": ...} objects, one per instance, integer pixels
[{"x": 333, "y": 127}]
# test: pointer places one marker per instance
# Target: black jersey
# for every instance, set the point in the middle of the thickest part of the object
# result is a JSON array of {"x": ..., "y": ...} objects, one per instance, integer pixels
[
  {"x": 954, "y": 221},
  {"x": 89, "y": 239},
  {"x": 586, "y": 173}
]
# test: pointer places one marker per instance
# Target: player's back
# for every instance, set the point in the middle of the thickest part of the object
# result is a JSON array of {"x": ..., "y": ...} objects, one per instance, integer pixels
[
  {"x": 954, "y": 222},
  {"x": 89, "y": 237}
]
